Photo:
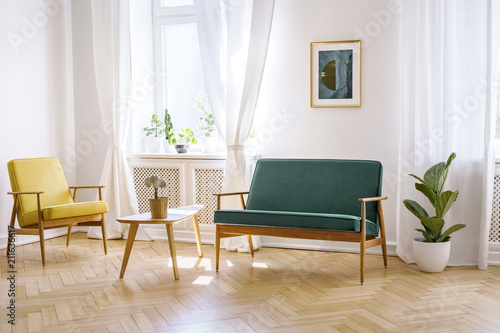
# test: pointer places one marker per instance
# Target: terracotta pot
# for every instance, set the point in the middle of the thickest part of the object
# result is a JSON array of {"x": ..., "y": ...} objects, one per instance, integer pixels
[{"x": 159, "y": 207}]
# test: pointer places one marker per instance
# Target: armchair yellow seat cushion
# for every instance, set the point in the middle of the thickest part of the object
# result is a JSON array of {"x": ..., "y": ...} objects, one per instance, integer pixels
[{"x": 67, "y": 211}]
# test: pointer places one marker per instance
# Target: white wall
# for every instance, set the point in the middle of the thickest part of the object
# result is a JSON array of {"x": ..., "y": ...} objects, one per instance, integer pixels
[
  {"x": 285, "y": 124},
  {"x": 36, "y": 104}
]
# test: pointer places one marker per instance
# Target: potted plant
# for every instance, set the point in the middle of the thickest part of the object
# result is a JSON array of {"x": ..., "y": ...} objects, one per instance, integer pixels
[
  {"x": 154, "y": 133},
  {"x": 433, "y": 250},
  {"x": 206, "y": 125},
  {"x": 157, "y": 205},
  {"x": 182, "y": 139},
  {"x": 168, "y": 127}
]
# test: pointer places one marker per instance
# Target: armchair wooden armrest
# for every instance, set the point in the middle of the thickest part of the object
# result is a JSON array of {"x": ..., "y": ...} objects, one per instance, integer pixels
[
  {"x": 372, "y": 199},
  {"x": 31, "y": 192},
  {"x": 74, "y": 188},
  {"x": 219, "y": 195},
  {"x": 96, "y": 186}
]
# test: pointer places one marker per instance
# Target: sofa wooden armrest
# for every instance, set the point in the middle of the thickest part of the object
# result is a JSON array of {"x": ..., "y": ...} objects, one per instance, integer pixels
[{"x": 242, "y": 199}]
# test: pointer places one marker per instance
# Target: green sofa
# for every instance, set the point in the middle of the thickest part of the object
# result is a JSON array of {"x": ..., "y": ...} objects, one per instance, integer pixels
[{"x": 312, "y": 199}]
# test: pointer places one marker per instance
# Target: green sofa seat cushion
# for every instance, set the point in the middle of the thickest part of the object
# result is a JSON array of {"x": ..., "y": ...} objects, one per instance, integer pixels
[{"x": 338, "y": 222}]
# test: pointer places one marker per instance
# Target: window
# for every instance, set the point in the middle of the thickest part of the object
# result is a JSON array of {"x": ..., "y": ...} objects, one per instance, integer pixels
[{"x": 177, "y": 56}]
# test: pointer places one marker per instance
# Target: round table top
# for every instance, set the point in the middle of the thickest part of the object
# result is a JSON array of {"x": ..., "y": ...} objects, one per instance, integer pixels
[{"x": 174, "y": 215}]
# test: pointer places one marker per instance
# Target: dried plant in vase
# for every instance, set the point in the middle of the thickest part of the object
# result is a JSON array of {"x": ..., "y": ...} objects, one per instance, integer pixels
[{"x": 157, "y": 205}]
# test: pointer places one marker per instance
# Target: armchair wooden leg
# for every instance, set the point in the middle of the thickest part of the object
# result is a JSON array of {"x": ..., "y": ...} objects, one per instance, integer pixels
[
  {"x": 250, "y": 243},
  {"x": 217, "y": 248},
  {"x": 42, "y": 243},
  {"x": 12, "y": 223},
  {"x": 68, "y": 236},
  {"x": 103, "y": 228}
]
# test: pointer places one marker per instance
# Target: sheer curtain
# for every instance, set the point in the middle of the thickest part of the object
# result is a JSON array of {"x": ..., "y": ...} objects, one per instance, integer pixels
[
  {"x": 233, "y": 36},
  {"x": 449, "y": 62},
  {"x": 111, "y": 41}
]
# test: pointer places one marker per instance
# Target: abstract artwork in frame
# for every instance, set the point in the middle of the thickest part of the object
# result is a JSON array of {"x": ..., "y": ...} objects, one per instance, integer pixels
[{"x": 336, "y": 74}]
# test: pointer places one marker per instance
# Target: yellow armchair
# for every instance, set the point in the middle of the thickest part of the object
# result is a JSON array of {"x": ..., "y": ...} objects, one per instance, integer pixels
[{"x": 43, "y": 200}]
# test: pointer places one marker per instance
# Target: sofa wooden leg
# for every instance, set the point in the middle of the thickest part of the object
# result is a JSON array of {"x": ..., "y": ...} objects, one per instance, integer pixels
[
  {"x": 382, "y": 232},
  {"x": 362, "y": 263},
  {"x": 217, "y": 248},
  {"x": 384, "y": 252},
  {"x": 250, "y": 243},
  {"x": 68, "y": 237}
]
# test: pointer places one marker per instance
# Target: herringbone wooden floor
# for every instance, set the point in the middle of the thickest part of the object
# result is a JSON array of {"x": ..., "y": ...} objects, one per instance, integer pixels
[{"x": 277, "y": 291}]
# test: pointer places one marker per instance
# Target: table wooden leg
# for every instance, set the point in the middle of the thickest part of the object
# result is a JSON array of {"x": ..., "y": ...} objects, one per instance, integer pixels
[
  {"x": 128, "y": 248},
  {"x": 171, "y": 244},
  {"x": 197, "y": 235}
]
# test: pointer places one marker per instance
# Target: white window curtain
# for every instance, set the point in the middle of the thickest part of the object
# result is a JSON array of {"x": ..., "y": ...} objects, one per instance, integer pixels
[
  {"x": 449, "y": 61},
  {"x": 233, "y": 36},
  {"x": 111, "y": 41}
]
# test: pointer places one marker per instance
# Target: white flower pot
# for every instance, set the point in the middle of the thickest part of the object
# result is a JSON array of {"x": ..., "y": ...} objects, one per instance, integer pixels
[
  {"x": 154, "y": 144},
  {"x": 208, "y": 144},
  {"x": 168, "y": 147},
  {"x": 431, "y": 257}
]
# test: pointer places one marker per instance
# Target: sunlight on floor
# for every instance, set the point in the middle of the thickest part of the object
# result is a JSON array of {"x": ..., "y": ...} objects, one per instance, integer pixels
[
  {"x": 190, "y": 262},
  {"x": 203, "y": 280},
  {"x": 259, "y": 265}
]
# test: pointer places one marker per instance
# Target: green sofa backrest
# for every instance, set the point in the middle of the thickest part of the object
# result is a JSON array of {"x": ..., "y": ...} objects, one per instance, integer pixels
[{"x": 316, "y": 186}]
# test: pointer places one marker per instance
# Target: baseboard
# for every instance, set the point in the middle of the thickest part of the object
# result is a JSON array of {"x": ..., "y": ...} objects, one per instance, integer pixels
[
  {"x": 279, "y": 242},
  {"x": 27, "y": 239}
]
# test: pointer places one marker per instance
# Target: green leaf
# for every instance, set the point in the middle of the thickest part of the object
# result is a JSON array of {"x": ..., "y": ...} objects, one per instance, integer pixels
[
  {"x": 427, "y": 191},
  {"x": 444, "y": 202},
  {"x": 449, "y": 231},
  {"x": 416, "y": 209},
  {"x": 433, "y": 226},
  {"x": 450, "y": 159},
  {"x": 418, "y": 178},
  {"x": 425, "y": 234},
  {"x": 433, "y": 176}
]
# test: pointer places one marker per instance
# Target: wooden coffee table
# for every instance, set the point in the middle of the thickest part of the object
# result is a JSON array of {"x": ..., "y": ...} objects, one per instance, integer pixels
[{"x": 174, "y": 215}]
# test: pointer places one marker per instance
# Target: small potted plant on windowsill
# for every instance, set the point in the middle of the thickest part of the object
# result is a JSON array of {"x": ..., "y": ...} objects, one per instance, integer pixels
[
  {"x": 182, "y": 140},
  {"x": 433, "y": 251},
  {"x": 169, "y": 148},
  {"x": 154, "y": 135},
  {"x": 206, "y": 125},
  {"x": 158, "y": 205}
]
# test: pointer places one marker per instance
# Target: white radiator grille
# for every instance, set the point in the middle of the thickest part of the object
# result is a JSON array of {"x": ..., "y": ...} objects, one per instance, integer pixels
[
  {"x": 207, "y": 182},
  {"x": 495, "y": 216},
  {"x": 172, "y": 191}
]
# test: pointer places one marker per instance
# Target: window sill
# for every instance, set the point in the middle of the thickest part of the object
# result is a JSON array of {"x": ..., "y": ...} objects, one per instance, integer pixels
[{"x": 190, "y": 156}]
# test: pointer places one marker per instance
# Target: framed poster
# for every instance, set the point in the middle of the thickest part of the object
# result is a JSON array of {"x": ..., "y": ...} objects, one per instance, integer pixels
[{"x": 336, "y": 74}]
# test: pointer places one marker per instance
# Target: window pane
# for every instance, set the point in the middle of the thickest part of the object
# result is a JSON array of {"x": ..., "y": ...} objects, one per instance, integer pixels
[
  {"x": 175, "y": 3},
  {"x": 184, "y": 74}
]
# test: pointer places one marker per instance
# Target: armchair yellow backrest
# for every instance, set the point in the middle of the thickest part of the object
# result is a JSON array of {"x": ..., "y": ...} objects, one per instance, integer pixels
[{"x": 38, "y": 174}]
